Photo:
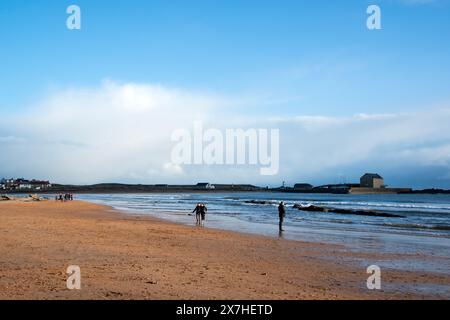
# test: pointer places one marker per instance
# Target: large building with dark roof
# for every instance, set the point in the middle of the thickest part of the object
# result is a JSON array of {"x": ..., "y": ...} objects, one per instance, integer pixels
[{"x": 372, "y": 180}]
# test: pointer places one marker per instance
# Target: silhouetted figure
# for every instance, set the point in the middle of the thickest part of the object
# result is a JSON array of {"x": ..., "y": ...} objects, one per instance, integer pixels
[
  {"x": 203, "y": 210},
  {"x": 282, "y": 214},
  {"x": 198, "y": 213}
]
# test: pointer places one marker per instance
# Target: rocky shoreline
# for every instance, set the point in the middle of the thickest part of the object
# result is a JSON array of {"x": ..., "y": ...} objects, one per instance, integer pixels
[{"x": 371, "y": 213}]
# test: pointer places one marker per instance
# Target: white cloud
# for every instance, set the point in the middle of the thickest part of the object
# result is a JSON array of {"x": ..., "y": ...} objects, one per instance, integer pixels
[
  {"x": 326, "y": 143},
  {"x": 113, "y": 132},
  {"x": 121, "y": 132},
  {"x": 171, "y": 168}
]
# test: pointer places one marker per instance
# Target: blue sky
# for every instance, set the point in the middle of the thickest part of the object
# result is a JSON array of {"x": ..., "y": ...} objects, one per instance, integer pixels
[{"x": 266, "y": 59}]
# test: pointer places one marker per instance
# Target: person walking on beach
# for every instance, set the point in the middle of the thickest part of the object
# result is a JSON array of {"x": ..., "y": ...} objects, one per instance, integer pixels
[
  {"x": 203, "y": 210},
  {"x": 282, "y": 214},
  {"x": 198, "y": 212}
]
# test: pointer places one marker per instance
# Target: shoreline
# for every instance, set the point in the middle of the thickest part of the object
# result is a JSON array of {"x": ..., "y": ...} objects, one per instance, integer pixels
[
  {"x": 134, "y": 257},
  {"x": 152, "y": 190}
]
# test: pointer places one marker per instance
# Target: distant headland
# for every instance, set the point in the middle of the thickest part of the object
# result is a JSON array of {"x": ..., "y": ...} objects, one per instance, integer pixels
[{"x": 370, "y": 183}]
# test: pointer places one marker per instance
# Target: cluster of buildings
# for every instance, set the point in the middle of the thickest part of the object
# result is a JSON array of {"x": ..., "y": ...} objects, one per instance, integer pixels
[{"x": 23, "y": 184}]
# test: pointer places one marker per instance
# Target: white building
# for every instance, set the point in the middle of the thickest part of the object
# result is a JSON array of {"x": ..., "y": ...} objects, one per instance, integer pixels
[
  {"x": 205, "y": 185},
  {"x": 23, "y": 184}
]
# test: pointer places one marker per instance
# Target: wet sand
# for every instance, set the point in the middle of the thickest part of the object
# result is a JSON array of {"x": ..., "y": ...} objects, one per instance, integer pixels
[{"x": 128, "y": 257}]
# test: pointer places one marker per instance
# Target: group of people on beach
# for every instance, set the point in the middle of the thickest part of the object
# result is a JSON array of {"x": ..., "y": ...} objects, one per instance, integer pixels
[
  {"x": 200, "y": 214},
  {"x": 64, "y": 197}
]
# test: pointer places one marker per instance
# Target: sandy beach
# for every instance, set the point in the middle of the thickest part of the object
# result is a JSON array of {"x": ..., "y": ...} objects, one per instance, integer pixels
[{"x": 132, "y": 257}]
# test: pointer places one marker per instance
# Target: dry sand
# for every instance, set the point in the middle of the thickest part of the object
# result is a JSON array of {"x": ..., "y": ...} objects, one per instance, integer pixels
[{"x": 128, "y": 257}]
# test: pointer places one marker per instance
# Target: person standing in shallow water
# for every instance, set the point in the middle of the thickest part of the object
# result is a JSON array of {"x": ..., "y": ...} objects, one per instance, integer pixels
[
  {"x": 198, "y": 212},
  {"x": 282, "y": 214},
  {"x": 203, "y": 210}
]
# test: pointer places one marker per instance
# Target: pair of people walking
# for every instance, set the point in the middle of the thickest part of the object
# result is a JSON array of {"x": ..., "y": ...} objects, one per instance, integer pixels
[{"x": 200, "y": 213}]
